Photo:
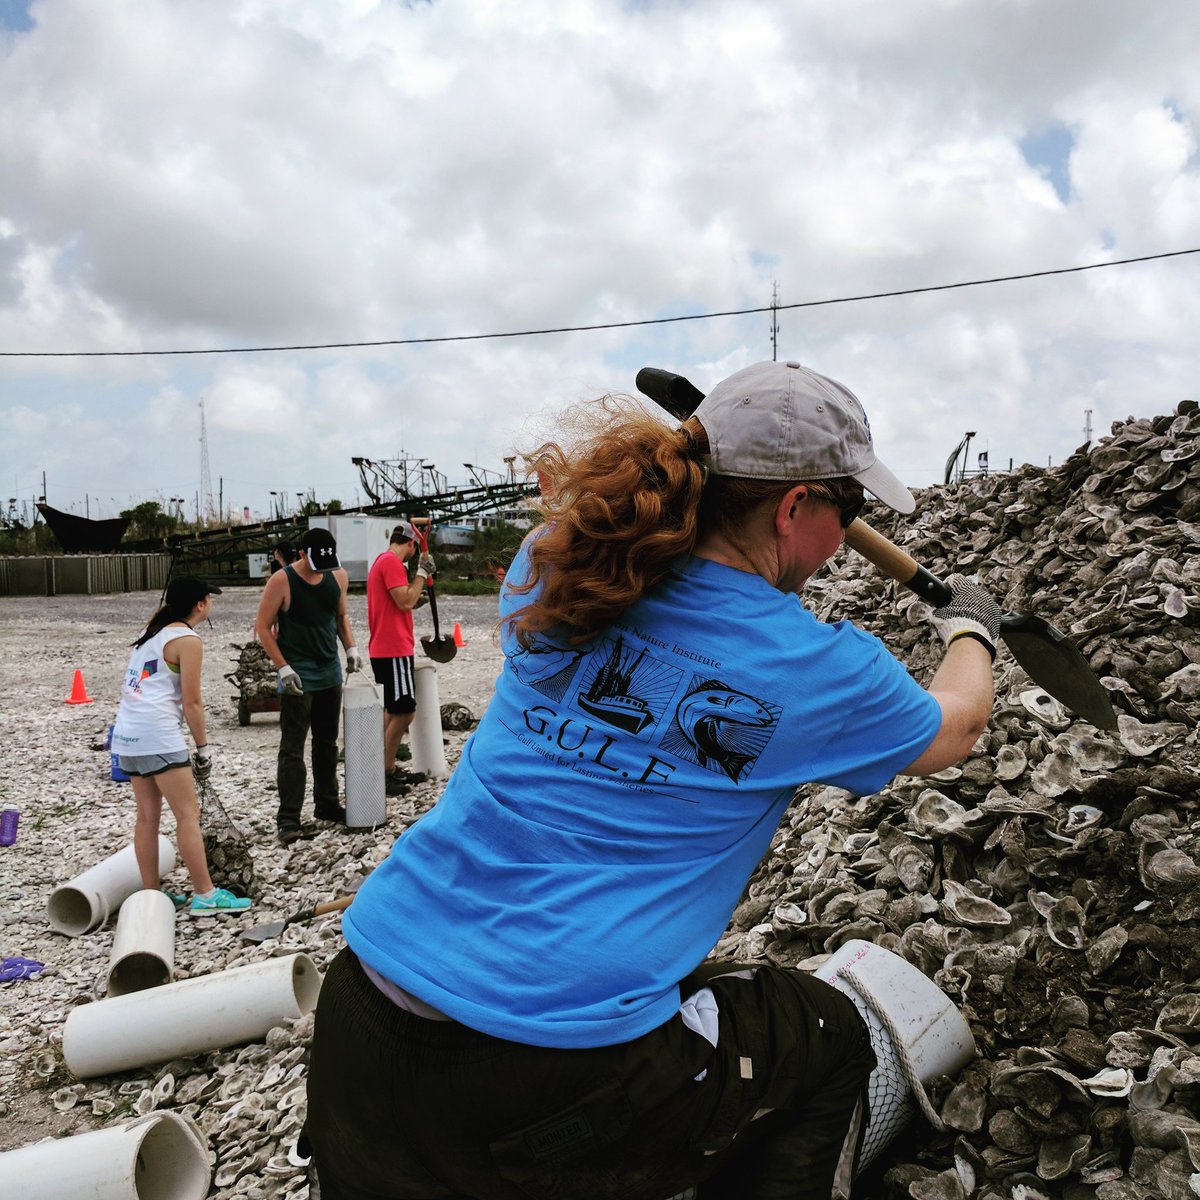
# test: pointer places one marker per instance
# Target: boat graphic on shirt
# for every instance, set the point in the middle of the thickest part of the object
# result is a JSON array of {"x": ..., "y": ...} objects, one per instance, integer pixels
[{"x": 609, "y": 696}]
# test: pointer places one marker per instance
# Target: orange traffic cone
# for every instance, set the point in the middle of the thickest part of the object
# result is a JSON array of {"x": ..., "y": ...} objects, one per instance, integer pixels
[
  {"x": 458, "y": 637},
  {"x": 78, "y": 691}
]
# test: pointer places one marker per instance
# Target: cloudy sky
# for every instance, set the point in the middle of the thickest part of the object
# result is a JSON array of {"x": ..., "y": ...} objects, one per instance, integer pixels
[{"x": 225, "y": 174}]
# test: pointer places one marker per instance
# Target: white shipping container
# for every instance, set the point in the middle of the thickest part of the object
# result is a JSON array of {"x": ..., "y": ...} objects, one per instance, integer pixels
[{"x": 360, "y": 539}]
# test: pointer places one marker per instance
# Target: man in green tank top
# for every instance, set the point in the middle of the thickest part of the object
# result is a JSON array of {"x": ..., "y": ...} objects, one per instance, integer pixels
[{"x": 307, "y": 602}]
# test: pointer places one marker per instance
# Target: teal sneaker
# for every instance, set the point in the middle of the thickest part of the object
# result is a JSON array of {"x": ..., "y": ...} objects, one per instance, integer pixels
[
  {"x": 175, "y": 898},
  {"x": 220, "y": 901}
]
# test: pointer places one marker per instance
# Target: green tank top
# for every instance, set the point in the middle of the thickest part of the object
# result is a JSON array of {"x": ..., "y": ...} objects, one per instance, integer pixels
[{"x": 308, "y": 631}]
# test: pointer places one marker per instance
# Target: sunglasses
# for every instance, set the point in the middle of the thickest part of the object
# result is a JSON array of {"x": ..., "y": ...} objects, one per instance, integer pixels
[{"x": 848, "y": 507}]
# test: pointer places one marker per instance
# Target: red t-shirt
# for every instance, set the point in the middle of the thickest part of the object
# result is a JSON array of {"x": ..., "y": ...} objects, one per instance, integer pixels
[{"x": 391, "y": 629}]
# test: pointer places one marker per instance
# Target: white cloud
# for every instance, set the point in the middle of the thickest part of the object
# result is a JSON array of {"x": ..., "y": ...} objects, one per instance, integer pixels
[{"x": 228, "y": 173}]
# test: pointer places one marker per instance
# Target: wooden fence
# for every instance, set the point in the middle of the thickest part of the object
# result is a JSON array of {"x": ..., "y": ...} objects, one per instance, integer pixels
[{"x": 83, "y": 574}]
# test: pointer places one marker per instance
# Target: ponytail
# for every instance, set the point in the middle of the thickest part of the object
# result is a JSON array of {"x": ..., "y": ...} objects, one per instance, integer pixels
[
  {"x": 621, "y": 506},
  {"x": 163, "y": 617}
]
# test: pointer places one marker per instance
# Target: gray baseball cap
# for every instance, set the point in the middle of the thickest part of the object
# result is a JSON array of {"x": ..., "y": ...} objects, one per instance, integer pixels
[{"x": 779, "y": 420}]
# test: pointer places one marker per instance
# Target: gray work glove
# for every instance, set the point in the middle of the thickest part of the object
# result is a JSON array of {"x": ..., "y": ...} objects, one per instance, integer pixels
[
  {"x": 289, "y": 682},
  {"x": 202, "y": 763},
  {"x": 354, "y": 659},
  {"x": 425, "y": 563},
  {"x": 972, "y": 610}
]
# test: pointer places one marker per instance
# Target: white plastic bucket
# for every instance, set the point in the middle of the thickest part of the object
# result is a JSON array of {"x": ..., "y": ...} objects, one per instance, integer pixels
[
  {"x": 362, "y": 735},
  {"x": 933, "y": 1032}
]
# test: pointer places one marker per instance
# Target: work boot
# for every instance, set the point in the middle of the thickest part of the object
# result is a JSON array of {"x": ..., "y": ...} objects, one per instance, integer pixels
[
  {"x": 336, "y": 814},
  {"x": 394, "y": 785},
  {"x": 289, "y": 834}
]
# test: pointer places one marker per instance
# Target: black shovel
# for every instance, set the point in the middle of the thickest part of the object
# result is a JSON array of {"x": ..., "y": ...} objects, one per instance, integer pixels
[
  {"x": 1046, "y": 654},
  {"x": 440, "y": 647}
]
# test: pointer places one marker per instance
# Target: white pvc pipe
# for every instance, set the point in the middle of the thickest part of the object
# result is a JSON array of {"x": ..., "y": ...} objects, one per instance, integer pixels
[
  {"x": 188, "y": 1017},
  {"x": 156, "y": 1157},
  {"x": 86, "y": 902},
  {"x": 362, "y": 738},
  {"x": 428, "y": 754},
  {"x": 143, "y": 951}
]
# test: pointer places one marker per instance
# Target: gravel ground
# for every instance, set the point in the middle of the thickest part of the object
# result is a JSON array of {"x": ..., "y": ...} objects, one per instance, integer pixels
[{"x": 54, "y": 767}]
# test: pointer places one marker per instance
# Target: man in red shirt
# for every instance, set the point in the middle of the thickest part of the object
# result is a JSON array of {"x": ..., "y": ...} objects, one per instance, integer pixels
[{"x": 390, "y": 601}]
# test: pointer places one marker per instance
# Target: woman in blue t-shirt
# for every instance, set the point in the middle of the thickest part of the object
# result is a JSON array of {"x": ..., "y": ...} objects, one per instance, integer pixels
[{"x": 524, "y": 1008}]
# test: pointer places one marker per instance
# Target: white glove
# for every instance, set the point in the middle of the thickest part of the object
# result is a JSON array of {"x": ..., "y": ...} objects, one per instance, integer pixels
[
  {"x": 425, "y": 563},
  {"x": 354, "y": 659},
  {"x": 289, "y": 682},
  {"x": 972, "y": 610},
  {"x": 202, "y": 763}
]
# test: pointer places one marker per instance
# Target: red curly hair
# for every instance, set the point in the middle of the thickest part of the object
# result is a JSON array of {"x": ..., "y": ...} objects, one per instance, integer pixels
[{"x": 624, "y": 502}]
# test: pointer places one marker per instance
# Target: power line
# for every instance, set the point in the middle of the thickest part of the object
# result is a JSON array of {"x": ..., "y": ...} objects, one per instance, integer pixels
[{"x": 518, "y": 333}]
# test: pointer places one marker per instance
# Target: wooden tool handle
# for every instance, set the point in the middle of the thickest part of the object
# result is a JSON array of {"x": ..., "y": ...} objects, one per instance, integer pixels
[
  {"x": 895, "y": 564},
  {"x": 329, "y": 906}
]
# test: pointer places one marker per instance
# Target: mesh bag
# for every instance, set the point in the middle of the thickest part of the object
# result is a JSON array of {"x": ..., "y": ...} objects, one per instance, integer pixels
[
  {"x": 254, "y": 675},
  {"x": 457, "y": 717},
  {"x": 225, "y": 846}
]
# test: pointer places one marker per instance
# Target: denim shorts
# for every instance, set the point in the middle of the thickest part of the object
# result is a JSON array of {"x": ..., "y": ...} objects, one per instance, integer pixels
[{"x": 152, "y": 764}]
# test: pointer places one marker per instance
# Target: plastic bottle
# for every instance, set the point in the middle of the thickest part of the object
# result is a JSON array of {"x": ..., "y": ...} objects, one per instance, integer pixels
[
  {"x": 8, "y": 824},
  {"x": 117, "y": 774}
]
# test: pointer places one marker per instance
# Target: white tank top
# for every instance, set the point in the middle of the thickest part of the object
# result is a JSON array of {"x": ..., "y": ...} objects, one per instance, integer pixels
[{"x": 151, "y": 709}]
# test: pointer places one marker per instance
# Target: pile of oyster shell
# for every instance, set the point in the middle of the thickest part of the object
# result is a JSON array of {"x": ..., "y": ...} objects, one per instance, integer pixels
[{"x": 1049, "y": 884}]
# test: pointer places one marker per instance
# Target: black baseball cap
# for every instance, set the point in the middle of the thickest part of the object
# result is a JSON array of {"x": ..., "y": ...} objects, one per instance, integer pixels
[
  {"x": 186, "y": 591},
  {"x": 320, "y": 548}
]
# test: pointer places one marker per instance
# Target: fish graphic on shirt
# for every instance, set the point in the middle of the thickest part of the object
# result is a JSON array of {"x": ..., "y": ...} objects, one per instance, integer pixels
[{"x": 714, "y": 719}]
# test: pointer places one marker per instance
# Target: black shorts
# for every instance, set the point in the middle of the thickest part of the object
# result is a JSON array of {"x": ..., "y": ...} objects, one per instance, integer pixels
[
  {"x": 399, "y": 684},
  {"x": 405, "y": 1108}
]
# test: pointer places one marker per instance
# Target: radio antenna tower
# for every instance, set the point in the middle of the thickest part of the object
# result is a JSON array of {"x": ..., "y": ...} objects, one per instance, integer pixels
[
  {"x": 205, "y": 473},
  {"x": 774, "y": 322}
]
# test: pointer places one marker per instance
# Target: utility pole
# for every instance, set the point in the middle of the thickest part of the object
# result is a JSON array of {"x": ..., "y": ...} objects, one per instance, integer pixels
[
  {"x": 205, "y": 473},
  {"x": 1087, "y": 426},
  {"x": 774, "y": 321}
]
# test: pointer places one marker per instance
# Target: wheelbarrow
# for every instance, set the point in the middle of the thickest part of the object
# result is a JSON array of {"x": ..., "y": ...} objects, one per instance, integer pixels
[
  {"x": 255, "y": 681},
  {"x": 255, "y": 704}
]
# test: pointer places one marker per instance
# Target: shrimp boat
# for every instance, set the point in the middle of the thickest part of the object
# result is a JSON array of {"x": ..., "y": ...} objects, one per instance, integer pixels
[
  {"x": 608, "y": 698},
  {"x": 81, "y": 535}
]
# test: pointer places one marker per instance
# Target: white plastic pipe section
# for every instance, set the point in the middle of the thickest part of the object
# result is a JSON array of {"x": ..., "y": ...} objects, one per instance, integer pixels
[
  {"x": 428, "y": 754},
  {"x": 86, "y": 902},
  {"x": 143, "y": 950},
  {"x": 362, "y": 736},
  {"x": 156, "y": 1157},
  {"x": 188, "y": 1017}
]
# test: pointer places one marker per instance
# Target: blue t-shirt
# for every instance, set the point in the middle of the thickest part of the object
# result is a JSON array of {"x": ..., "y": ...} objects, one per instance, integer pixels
[{"x": 600, "y": 827}]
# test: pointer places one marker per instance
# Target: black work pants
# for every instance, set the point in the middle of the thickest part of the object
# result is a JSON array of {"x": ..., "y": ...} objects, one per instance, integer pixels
[
  {"x": 319, "y": 711},
  {"x": 404, "y": 1108}
]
